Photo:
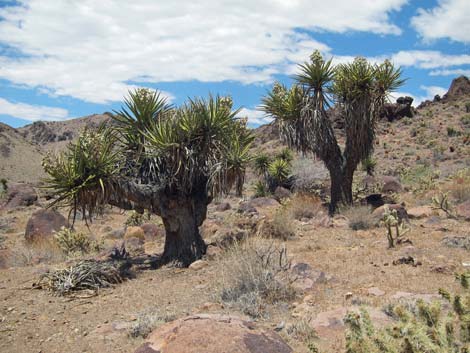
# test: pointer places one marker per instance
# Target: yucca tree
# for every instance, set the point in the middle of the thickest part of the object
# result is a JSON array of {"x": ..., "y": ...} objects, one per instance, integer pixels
[
  {"x": 359, "y": 90},
  {"x": 169, "y": 161}
]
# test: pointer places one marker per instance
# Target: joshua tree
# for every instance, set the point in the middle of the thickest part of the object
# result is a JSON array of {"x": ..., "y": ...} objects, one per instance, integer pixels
[
  {"x": 169, "y": 161},
  {"x": 359, "y": 90}
]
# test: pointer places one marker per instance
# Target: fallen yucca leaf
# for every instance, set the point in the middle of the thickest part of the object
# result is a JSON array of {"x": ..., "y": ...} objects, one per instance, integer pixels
[{"x": 87, "y": 274}]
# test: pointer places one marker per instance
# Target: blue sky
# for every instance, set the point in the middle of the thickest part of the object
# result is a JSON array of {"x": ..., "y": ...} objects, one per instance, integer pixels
[{"x": 66, "y": 59}]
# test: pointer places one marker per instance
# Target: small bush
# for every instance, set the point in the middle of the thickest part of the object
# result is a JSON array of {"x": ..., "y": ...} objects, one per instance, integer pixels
[
  {"x": 307, "y": 174},
  {"x": 451, "y": 132},
  {"x": 255, "y": 273},
  {"x": 459, "y": 189},
  {"x": 304, "y": 206},
  {"x": 261, "y": 189},
  {"x": 360, "y": 218},
  {"x": 279, "y": 227},
  {"x": 147, "y": 321},
  {"x": 3, "y": 187},
  {"x": 465, "y": 120},
  {"x": 368, "y": 165},
  {"x": 71, "y": 242},
  {"x": 44, "y": 251},
  {"x": 302, "y": 331},
  {"x": 134, "y": 219}
]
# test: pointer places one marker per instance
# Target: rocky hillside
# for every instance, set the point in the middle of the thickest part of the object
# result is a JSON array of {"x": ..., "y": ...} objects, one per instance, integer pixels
[
  {"x": 56, "y": 134},
  {"x": 20, "y": 160}
]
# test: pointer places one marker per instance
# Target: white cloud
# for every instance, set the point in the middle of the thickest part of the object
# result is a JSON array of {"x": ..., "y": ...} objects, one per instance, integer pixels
[
  {"x": 449, "y": 19},
  {"x": 255, "y": 116},
  {"x": 32, "y": 112},
  {"x": 94, "y": 50},
  {"x": 429, "y": 59},
  {"x": 451, "y": 72}
]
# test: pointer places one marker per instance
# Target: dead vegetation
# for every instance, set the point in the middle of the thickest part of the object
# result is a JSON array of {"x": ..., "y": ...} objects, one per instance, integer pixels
[{"x": 255, "y": 273}]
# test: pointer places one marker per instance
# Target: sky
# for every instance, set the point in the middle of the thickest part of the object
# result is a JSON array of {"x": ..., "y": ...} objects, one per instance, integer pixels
[{"x": 62, "y": 59}]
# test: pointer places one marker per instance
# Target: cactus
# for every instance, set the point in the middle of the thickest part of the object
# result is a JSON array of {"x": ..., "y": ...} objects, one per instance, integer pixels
[
  {"x": 422, "y": 328},
  {"x": 391, "y": 221},
  {"x": 441, "y": 202}
]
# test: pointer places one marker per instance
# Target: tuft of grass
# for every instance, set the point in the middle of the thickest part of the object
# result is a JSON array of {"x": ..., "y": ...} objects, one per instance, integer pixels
[
  {"x": 304, "y": 206},
  {"x": 360, "y": 218},
  {"x": 147, "y": 321},
  {"x": 254, "y": 274},
  {"x": 459, "y": 189},
  {"x": 44, "y": 251}
]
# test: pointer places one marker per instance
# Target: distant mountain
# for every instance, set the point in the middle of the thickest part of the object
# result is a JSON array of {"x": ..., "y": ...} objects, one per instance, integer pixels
[
  {"x": 56, "y": 134},
  {"x": 20, "y": 160}
]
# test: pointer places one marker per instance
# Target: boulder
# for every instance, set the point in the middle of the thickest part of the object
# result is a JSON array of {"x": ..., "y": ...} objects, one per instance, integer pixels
[
  {"x": 223, "y": 206},
  {"x": 134, "y": 232},
  {"x": 263, "y": 202},
  {"x": 43, "y": 223},
  {"x": 402, "y": 214},
  {"x": 20, "y": 194},
  {"x": 420, "y": 212},
  {"x": 281, "y": 193},
  {"x": 213, "y": 333},
  {"x": 391, "y": 184},
  {"x": 395, "y": 111}
]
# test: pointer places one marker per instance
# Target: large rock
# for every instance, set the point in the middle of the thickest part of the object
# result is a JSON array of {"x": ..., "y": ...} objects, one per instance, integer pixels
[
  {"x": 43, "y": 223},
  {"x": 395, "y": 111},
  {"x": 460, "y": 86},
  {"x": 420, "y": 212},
  {"x": 391, "y": 184},
  {"x": 402, "y": 214},
  {"x": 212, "y": 333},
  {"x": 20, "y": 194}
]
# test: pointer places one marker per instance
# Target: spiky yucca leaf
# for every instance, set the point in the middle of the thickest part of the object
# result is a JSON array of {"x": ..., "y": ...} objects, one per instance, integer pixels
[{"x": 80, "y": 175}]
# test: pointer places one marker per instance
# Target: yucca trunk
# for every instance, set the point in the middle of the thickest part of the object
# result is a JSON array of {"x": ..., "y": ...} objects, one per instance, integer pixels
[{"x": 182, "y": 217}]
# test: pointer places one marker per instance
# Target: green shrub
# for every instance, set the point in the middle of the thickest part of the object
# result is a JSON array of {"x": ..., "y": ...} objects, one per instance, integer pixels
[
  {"x": 465, "y": 120},
  {"x": 260, "y": 189},
  {"x": 134, "y": 219},
  {"x": 72, "y": 243},
  {"x": 451, "y": 132},
  {"x": 368, "y": 165}
]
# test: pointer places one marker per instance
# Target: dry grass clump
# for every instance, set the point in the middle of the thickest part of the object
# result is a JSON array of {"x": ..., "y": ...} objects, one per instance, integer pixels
[
  {"x": 304, "y": 206},
  {"x": 147, "y": 321},
  {"x": 360, "y": 218},
  {"x": 87, "y": 274},
  {"x": 302, "y": 331},
  {"x": 41, "y": 251},
  {"x": 459, "y": 189},
  {"x": 280, "y": 226},
  {"x": 255, "y": 273}
]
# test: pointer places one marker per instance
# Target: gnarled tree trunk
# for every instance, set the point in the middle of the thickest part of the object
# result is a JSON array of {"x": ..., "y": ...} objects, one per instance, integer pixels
[{"x": 182, "y": 217}]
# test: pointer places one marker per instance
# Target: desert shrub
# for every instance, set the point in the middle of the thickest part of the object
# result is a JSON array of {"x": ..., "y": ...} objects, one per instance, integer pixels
[
  {"x": 465, "y": 120},
  {"x": 261, "y": 189},
  {"x": 424, "y": 328},
  {"x": 304, "y": 205},
  {"x": 451, "y": 131},
  {"x": 302, "y": 331},
  {"x": 420, "y": 178},
  {"x": 134, "y": 219},
  {"x": 360, "y": 217},
  {"x": 280, "y": 226},
  {"x": 73, "y": 243},
  {"x": 3, "y": 187},
  {"x": 147, "y": 321},
  {"x": 368, "y": 165},
  {"x": 255, "y": 273},
  {"x": 307, "y": 174},
  {"x": 286, "y": 155},
  {"x": 41, "y": 251},
  {"x": 459, "y": 189},
  {"x": 467, "y": 107}
]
